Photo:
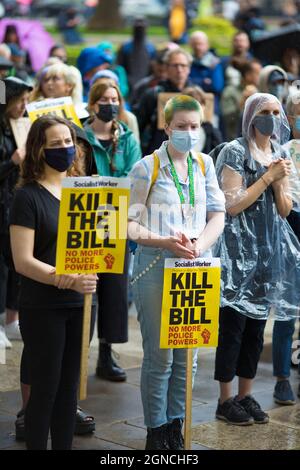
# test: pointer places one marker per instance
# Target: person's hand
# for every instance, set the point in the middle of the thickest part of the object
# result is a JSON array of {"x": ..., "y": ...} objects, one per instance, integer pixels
[
  {"x": 278, "y": 169},
  {"x": 18, "y": 156},
  {"x": 64, "y": 281},
  {"x": 176, "y": 245},
  {"x": 197, "y": 249},
  {"x": 85, "y": 283}
]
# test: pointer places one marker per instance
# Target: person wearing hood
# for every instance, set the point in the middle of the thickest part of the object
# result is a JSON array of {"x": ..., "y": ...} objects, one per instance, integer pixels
[
  {"x": 91, "y": 60},
  {"x": 273, "y": 80},
  {"x": 107, "y": 48},
  {"x": 136, "y": 55},
  {"x": 115, "y": 152},
  {"x": 206, "y": 70},
  {"x": 259, "y": 252},
  {"x": 11, "y": 157}
]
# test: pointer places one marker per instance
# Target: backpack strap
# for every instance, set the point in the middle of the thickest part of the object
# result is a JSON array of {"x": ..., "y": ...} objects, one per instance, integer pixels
[
  {"x": 156, "y": 165},
  {"x": 201, "y": 163}
]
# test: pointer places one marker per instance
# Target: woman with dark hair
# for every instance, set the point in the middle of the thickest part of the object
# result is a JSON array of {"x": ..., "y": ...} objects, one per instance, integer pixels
[
  {"x": 48, "y": 302},
  {"x": 11, "y": 157},
  {"x": 115, "y": 152}
]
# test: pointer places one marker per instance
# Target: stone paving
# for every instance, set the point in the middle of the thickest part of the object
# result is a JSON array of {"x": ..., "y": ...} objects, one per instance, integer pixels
[{"x": 118, "y": 410}]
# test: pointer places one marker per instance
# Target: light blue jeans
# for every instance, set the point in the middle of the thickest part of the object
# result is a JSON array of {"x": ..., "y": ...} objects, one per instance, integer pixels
[{"x": 163, "y": 370}]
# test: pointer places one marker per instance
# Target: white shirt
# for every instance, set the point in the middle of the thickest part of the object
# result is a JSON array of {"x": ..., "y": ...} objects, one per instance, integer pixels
[{"x": 160, "y": 210}]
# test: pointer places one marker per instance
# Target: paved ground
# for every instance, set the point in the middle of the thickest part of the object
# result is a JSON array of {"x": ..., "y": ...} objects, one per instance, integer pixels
[{"x": 118, "y": 410}]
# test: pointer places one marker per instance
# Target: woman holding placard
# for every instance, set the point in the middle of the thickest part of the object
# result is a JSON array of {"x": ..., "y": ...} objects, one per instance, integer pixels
[
  {"x": 176, "y": 210},
  {"x": 115, "y": 152},
  {"x": 51, "y": 306}
]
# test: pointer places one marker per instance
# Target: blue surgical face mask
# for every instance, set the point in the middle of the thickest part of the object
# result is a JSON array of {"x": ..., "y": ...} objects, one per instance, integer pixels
[
  {"x": 184, "y": 141},
  {"x": 60, "y": 158},
  {"x": 267, "y": 124}
]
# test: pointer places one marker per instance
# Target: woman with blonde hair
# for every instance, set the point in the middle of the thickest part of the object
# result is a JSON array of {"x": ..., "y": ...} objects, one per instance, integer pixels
[
  {"x": 59, "y": 80},
  {"x": 115, "y": 151}
]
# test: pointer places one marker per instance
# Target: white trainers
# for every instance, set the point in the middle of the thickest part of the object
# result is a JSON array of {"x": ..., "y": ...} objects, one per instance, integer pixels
[
  {"x": 12, "y": 331},
  {"x": 4, "y": 339}
]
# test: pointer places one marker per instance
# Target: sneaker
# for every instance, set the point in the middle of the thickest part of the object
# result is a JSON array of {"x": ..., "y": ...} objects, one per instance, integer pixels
[
  {"x": 12, "y": 331},
  {"x": 253, "y": 409},
  {"x": 233, "y": 413},
  {"x": 283, "y": 393},
  {"x": 4, "y": 339}
]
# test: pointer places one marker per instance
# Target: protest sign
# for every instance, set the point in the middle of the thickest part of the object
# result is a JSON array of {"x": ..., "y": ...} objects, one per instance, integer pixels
[
  {"x": 92, "y": 234},
  {"x": 190, "y": 306},
  {"x": 60, "y": 107},
  {"x": 92, "y": 228}
]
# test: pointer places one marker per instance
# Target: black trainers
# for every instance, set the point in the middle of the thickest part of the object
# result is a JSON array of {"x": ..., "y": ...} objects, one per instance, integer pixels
[
  {"x": 157, "y": 438},
  {"x": 175, "y": 438},
  {"x": 253, "y": 408},
  {"x": 233, "y": 413}
]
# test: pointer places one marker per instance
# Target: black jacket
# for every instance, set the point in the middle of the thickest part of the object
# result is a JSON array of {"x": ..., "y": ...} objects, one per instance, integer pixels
[{"x": 9, "y": 174}]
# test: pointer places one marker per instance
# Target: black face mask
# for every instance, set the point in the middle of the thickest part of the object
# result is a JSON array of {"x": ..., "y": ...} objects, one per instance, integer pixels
[
  {"x": 60, "y": 158},
  {"x": 108, "y": 112}
]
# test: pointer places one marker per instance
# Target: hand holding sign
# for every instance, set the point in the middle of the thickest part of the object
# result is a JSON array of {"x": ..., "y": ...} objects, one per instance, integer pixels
[
  {"x": 176, "y": 245},
  {"x": 85, "y": 283}
]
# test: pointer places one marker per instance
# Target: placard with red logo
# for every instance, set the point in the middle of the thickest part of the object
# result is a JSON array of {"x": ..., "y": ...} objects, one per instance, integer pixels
[{"x": 92, "y": 229}]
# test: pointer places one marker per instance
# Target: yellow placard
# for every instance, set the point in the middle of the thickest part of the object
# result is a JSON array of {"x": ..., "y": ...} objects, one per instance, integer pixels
[
  {"x": 92, "y": 229},
  {"x": 61, "y": 107},
  {"x": 190, "y": 306}
]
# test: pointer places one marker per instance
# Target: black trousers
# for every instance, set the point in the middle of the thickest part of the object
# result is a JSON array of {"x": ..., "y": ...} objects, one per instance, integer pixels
[
  {"x": 113, "y": 305},
  {"x": 241, "y": 342},
  {"x": 52, "y": 341}
]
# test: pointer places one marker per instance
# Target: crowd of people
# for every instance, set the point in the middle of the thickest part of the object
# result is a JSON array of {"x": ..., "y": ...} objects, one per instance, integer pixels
[{"x": 225, "y": 162}]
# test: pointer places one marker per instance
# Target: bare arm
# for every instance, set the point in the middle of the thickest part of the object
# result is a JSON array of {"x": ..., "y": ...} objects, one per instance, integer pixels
[
  {"x": 22, "y": 244},
  {"x": 283, "y": 202},
  {"x": 233, "y": 183},
  {"x": 212, "y": 231}
]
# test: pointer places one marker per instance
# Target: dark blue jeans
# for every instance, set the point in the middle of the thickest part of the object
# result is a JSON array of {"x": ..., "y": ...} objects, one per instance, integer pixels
[{"x": 282, "y": 347}]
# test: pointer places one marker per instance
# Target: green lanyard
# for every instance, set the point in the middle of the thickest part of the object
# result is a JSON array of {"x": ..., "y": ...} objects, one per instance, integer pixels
[{"x": 191, "y": 180}]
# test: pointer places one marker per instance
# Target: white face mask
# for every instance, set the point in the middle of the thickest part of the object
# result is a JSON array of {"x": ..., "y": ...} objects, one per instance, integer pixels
[{"x": 184, "y": 141}]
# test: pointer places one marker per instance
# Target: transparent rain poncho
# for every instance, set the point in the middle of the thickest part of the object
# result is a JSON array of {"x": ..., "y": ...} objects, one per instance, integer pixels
[{"x": 260, "y": 253}]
